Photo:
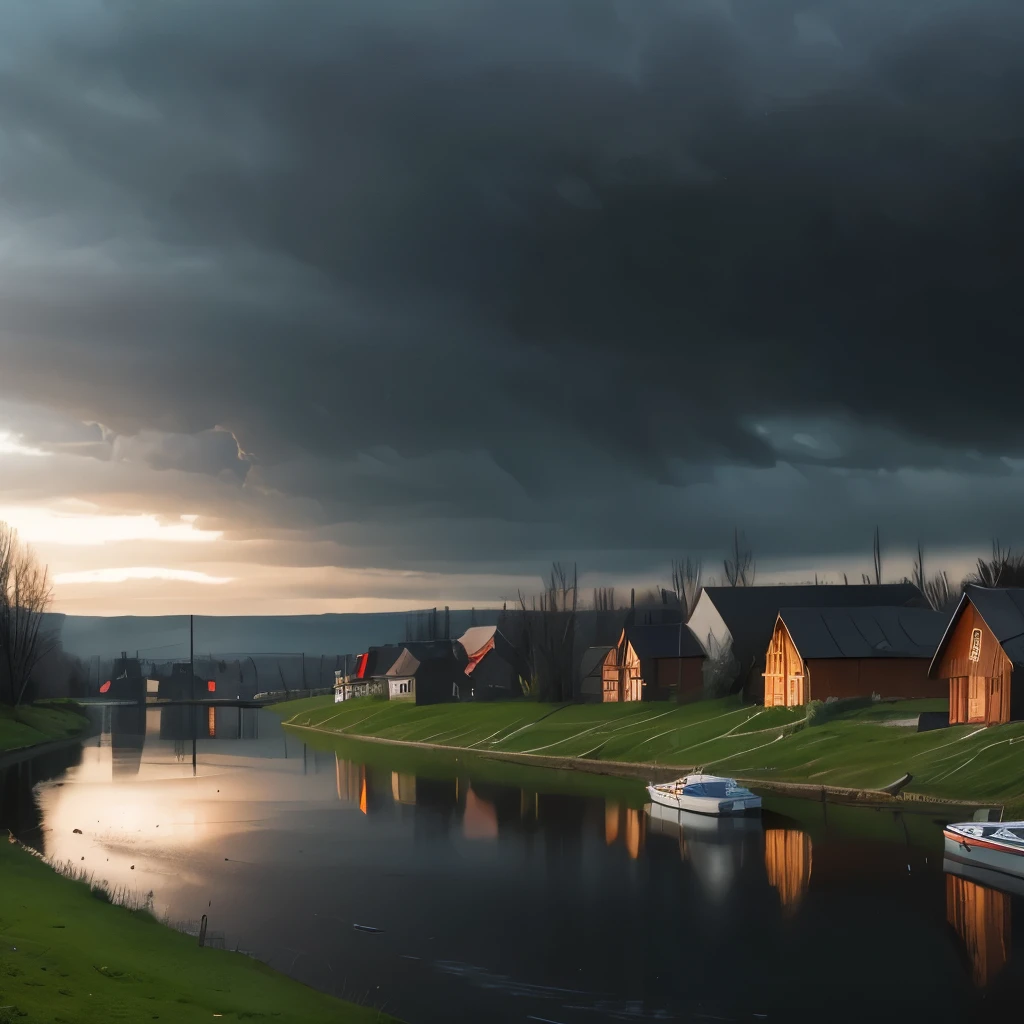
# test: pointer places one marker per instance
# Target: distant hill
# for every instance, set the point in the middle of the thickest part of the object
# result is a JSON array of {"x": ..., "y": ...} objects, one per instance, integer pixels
[{"x": 165, "y": 637}]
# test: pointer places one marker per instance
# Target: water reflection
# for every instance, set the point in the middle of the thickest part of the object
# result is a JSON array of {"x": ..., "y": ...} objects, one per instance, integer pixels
[
  {"x": 979, "y": 909},
  {"x": 787, "y": 861},
  {"x": 480, "y": 880},
  {"x": 718, "y": 849},
  {"x": 625, "y": 823}
]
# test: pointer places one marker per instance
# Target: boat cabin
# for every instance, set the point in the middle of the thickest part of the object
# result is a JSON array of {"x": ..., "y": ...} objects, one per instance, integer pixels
[
  {"x": 981, "y": 655},
  {"x": 823, "y": 653}
]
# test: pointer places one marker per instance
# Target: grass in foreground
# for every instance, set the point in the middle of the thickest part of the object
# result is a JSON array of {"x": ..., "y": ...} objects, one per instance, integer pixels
[
  {"x": 65, "y": 956},
  {"x": 854, "y": 749},
  {"x": 34, "y": 724}
]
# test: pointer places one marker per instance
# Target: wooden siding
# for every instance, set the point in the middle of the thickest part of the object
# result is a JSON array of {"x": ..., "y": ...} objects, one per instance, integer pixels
[
  {"x": 981, "y": 918},
  {"x": 861, "y": 677},
  {"x": 979, "y": 690},
  {"x": 668, "y": 683},
  {"x": 620, "y": 674},
  {"x": 784, "y": 675}
]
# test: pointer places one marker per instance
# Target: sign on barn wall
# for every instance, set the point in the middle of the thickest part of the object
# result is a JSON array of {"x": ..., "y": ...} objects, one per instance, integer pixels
[{"x": 975, "y": 654}]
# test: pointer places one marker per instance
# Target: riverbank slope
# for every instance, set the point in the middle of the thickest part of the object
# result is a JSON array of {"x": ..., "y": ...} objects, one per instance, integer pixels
[
  {"x": 68, "y": 956},
  {"x": 32, "y": 725},
  {"x": 861, "y": 749}
]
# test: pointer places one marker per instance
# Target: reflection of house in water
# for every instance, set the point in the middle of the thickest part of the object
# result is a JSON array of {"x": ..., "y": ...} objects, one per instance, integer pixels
[
  {"x": 480, "y": 818},
  {"x": 623, "y": 822},
  {"x": 127, "y": 735},
  {"x": 403, "y": 788},
  {"x": 350, "y": 779},
  {"x": 981, "y": 917},
  {"x": 787, "y": 861}
]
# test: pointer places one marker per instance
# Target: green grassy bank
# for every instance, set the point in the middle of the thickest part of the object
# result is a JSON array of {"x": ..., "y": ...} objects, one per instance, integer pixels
[
  {"x": 39, "y": 723},
  {"x": 66, "y": 956},
  {"x": 855, "y": 749}
]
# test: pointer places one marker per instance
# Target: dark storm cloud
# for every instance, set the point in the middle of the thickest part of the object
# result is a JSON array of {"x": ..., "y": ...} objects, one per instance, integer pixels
[{"x": 478, "y": 263}]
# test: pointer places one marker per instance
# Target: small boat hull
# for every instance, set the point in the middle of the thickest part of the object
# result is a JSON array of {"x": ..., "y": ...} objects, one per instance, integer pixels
[
  {"x": 994, "y": 847},
  {"x": 740, "y": 802}
]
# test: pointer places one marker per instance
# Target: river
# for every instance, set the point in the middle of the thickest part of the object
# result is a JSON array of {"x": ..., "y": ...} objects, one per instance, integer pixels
[{"x": 500, "y": 894}]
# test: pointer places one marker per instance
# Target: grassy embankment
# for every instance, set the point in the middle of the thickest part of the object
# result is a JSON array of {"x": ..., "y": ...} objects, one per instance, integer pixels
[
  {"x": 854, "y": 749},
  {"x": 36, "y": 724},
  {"x": 66, "y": 956}
]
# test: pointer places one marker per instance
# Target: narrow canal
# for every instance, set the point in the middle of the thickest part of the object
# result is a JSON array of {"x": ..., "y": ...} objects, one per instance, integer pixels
[{"x": 486, "y": 892}]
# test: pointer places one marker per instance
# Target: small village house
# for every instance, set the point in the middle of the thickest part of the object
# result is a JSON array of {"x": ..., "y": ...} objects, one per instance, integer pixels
[
  {"x": 650, "y": 662},
  {"x": 823, "y": 653},
  {"x": 494, "y": 668},
  {"x": 981, "y": 654},
  {"x": 742, "y": 619},
  {"x": 671, "y": 661}
]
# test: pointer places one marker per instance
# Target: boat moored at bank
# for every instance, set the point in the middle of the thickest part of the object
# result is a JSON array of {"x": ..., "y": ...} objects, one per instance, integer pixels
[
  {"x": 996, "y": 846},
  {"x": 705, "y": 794}
]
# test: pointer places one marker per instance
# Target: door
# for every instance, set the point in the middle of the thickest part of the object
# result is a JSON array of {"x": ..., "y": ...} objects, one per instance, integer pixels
[
  {"x": 794, "y": 691},
  {"x": 977, "y": 692},
  {"x": 779, "y": 683}
]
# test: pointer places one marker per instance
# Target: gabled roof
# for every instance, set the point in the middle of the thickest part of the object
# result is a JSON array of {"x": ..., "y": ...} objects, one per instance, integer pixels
[
  {"x": 864, "y": 632},
  {"x": 666, "y": 640},
  {"x": 405, "y": 665},
  {"x": 593, "y": 657},
  {"x": 476, "y": 638},
  {"x": 1002, "y": 608},
  {"x": 750, "y": 613},
  {"x": 378, "y": 661}
]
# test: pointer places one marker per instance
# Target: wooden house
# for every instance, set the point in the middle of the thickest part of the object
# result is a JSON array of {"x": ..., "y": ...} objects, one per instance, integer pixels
[
  {"x": 650, "y": 662},
  {"x": 671, "y": 660},
  {"x": 818, "y": 653},
  {"x": 742, "y": 619},
  {"x": 982, "y": 655}
]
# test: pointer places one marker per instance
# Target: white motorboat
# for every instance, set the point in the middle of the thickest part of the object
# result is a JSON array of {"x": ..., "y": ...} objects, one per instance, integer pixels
[
  {"x": 705, "y": 794},
  {"x": 998, "y": 846}
]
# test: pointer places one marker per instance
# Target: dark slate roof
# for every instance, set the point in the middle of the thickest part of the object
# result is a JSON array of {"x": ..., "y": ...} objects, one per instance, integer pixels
[
  {"x": 590, "y": 665},
  {"x": 750, "y": 613},
  {"x": 1002, "y": 608},
  {"x": 380, "y": 659},
  {"x": 417, "y": 661},
  {"x": 664, "y": 641},
  {"x": 864, "y": 632}
]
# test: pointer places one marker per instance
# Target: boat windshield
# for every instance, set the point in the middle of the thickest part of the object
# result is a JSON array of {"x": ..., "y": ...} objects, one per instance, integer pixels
[{"x": 712, "y": 789}]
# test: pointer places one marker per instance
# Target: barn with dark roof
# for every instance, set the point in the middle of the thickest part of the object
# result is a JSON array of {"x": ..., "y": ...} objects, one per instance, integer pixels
[
  {"x": 822, "y": 653},
  {"x": 982, "y": 655},
  {"x": 742, "y": 619}
]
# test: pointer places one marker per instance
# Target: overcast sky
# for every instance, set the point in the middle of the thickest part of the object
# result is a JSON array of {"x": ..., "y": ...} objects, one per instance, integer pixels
[{"x": 395, "y": 301}]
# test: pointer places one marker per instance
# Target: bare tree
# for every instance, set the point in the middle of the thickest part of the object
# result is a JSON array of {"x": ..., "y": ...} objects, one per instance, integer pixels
[
  {"x": 686, "y": 582},
  {"x": 1004, "y": 569},
  {"x": 24, "y": 597},
  {"x": 604, "y": 599},
  {"x": 740, "y": 569},
  {"x": 938, "y": 592},
  {"x": 550, "y": 634}
]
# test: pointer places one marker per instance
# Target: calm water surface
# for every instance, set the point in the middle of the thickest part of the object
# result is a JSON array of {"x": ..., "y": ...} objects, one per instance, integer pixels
[{"x": 500, "y": 903}]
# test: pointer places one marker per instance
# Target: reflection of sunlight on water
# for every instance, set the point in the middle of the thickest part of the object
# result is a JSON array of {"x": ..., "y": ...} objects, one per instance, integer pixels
[
  {"x": 480, "y": 819},
  {"x": 981, "y": 918},
  {"x": 787, "y": 861}
]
